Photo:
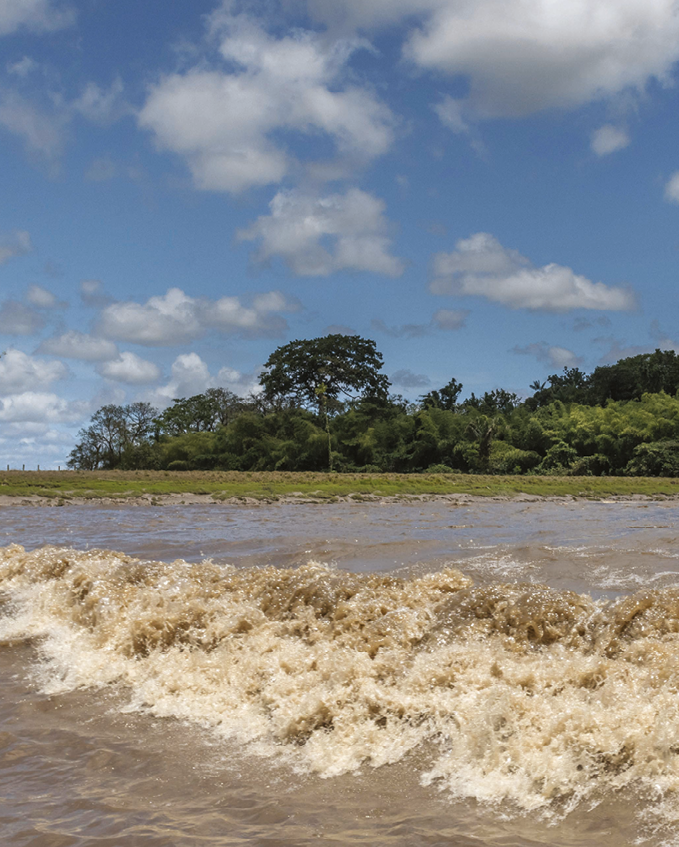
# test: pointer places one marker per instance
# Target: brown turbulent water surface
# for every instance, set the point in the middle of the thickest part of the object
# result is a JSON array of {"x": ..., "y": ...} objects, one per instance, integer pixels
[{"x": 486, "y": 674}]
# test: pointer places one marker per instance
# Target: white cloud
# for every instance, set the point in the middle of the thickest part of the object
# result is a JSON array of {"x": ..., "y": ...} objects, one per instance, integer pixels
[
  {"x": 191, "y": 375},
  {"x": 480, "y": 266},
  {"x": 78, "y": 345},
  {"x": 168, "y": 319},
  {"x": 19, "y": 319},
  {"x": 40, "y": 407},
  {"x": 12, "y": 244},
  {"x": 224, "y": 121},
  {"x": 20, "y": 372},
  {"x": 609, "y": 139},
  {"x": 131, "y": 369},
  {"x": 521, "y": 56},
  {"x": 42, "y": 298},
  {"x": 176, "y": 318},
  {"x": 672, "y": 188},
  {"x": 556, "y": 357},
  {"x": 300, "y": 226},
  {"x": 525, "y": 55},
  {"x": 238, "y": 382},
  {"x": 34, "y": 15}
]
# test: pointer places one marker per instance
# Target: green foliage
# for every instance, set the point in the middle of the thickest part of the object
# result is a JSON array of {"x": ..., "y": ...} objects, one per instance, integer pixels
[
  {"x": 659, "y": 458},
  {"x": 443, "y": 398},
  {"x": 439, "y": 469},
  {"x": 505, "y": 459},
  {"x": 318, "y": 371},
  {"x": 117, "y": 437},
  {"x": 304, "y": 426},
  {"x": 627, "y": 379},
  {"x": 201, "y": 413}
]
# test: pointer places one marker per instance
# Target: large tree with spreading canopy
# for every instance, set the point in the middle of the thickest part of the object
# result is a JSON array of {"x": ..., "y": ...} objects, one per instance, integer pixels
[{"x": 319, "y": 372}]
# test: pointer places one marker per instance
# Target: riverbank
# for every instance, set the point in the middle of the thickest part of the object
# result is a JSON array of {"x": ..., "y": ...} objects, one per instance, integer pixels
[{"x": 61, "y": 488}]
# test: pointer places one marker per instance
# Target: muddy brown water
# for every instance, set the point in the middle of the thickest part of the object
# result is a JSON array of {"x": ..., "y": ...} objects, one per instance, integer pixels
[{"x": 351, "y": 674}]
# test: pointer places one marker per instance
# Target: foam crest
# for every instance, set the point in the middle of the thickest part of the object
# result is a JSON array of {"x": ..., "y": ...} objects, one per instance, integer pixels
[{"x": 516, "y": 692}]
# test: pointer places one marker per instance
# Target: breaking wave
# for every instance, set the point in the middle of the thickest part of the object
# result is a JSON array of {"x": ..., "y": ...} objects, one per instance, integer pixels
[{"x": 514, "y": 692}]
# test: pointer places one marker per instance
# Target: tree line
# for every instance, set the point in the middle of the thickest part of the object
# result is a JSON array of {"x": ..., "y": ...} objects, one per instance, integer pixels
[{"x": 324, "y": 404}]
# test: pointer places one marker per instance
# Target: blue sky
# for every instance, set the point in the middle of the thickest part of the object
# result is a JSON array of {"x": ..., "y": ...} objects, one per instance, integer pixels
[{"x": 487, "y": 188}]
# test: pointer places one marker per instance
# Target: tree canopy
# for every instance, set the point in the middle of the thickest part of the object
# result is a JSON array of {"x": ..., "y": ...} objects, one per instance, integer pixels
[
  {"x": 622, "y": 419},
  {"x": 317, "y": 370}
]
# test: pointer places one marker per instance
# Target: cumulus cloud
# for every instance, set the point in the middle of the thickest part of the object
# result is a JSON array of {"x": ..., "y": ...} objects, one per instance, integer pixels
[
  {"x": 131, "y": 369},
  {"x": 316, "y": 236},
  {"x": 482, "y": 267},
  {"x": 19, "y": 319},
  {"x": 191, "y": 375},
  {"x": 40, "y": 407},
  {"x": 225, "y": 120},
  {"x": 552, "y": 355},
  {"x": 20, "y": 372},
  {"x": 34, "y": 15},
  {"x": 42, "y": 298},
  {"x": 167, "y": 319},
  {"x": 609, "y": 139},
  {"x": 521, "y": 56},
  {"x": 407, "y": 379},
  {"x": 176, "y": 318},
  {"x": 12, "y": 244},
  {"x": 78, "y": 345}
]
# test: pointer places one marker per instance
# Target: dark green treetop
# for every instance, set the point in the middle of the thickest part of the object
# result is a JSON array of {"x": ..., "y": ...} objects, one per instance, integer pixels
[
  {"x": 443, "y": 398},
  {"x": 201, "y": 413},
  {"x": 320, "y": 372}
]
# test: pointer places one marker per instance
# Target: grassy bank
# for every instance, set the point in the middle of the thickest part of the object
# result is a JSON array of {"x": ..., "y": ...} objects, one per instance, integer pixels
[{"x": 65, "y": 485}]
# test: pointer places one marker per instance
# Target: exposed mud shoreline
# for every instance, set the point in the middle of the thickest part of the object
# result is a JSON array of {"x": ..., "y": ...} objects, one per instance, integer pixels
[{"x": 295, "y": 499}]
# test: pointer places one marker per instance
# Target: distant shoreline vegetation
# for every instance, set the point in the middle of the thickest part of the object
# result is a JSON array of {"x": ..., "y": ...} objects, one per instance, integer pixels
[{"x": 324, "y": 406}]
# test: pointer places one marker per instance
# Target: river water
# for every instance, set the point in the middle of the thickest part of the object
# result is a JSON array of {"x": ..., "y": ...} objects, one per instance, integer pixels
[{"x": 496, "y": 673}]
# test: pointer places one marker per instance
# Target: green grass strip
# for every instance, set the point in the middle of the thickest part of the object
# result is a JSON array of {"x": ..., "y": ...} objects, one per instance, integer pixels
[{"x": 322, "y": 486}]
